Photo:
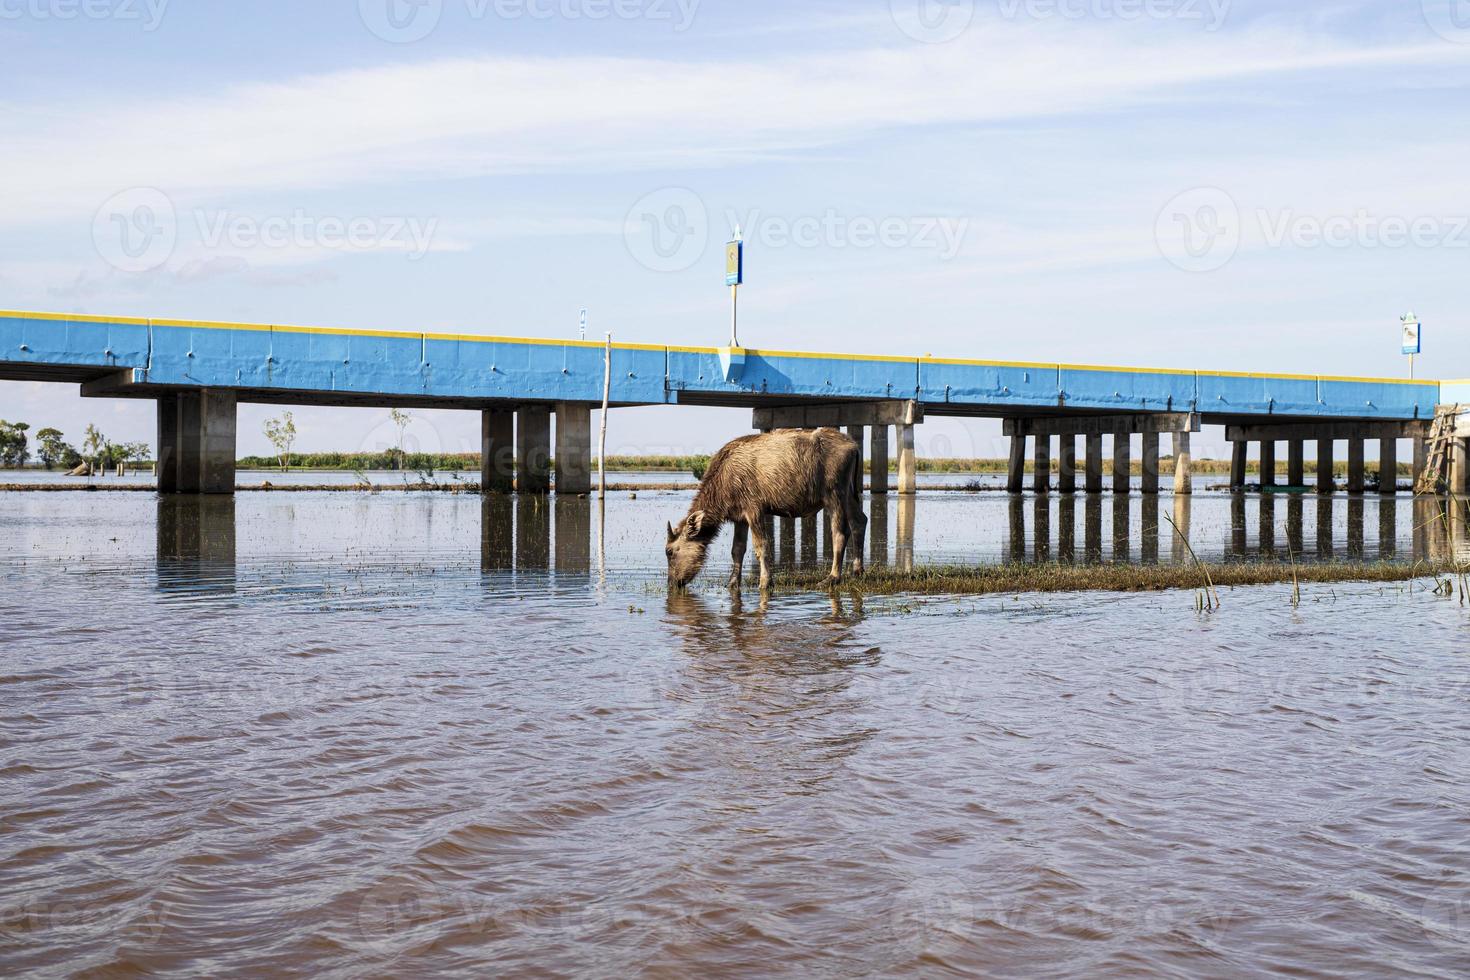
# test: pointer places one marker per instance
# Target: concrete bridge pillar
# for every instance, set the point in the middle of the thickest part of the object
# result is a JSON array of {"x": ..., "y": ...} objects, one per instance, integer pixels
[
  {"x": 1268, "y": 462},
  {"x": 1122, "y": 463},
  {"x": 1067, "y": 464},
  {"x": 908, "y": 477},
  {"x": 1296, "y": 462},
  {"x": 1016, "y": 471},
  {"x": 196, "y": 441},
  {"x": 1388, "y": 466},
  {"x": 1041, "y": 465},
  {"x": 1094, "y": 472},
  {"x": 1460, "y": 468},
  {"x": 1325, "y": 483},
  {"x": 878, "y": 458},
  {"x": 573, "y": 448},
  {"x": 497, "y": 450},
  {"x": 1237, "y": 465},
  {"x": 1421, "y": 458},
  {"x": 1356, "y": 468},
  {"x": 1183, "y": 465},
  {"x": 1150, "y": 462},
  {"x": 533, "y": 449}
]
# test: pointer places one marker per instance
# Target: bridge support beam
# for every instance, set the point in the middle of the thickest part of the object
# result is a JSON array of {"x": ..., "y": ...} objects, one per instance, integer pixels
[
  {"x": 1357, "y": 475},
  {"x": 573, "y": 448},
  {"x": 1421, "y": 458},
  {"x": 1150, "y": 462},
  {"x": 1325, "y": 480},
  {"x": 1388, "y": 467},
  {"x": 1237, "y": 465},
  {"x": 196, "y": 441},
  {"x": 1460, "y": 467},
  {"x": 1016, "y": 471},
  {"x": 1183, "y": 465},
  {"x": 533, "y": 449},
  {"x": 1296, "y": 463},
  {"x": 1093, "y": 477},
  {"x": 1067, "y": 464},
  {"x": 1041, "y": 465},
  {"x": 1122, "y": 463},
  {"x": 908, "y": 463},
  {"x": 1268, "y": 462},
  {"x": 878, "y": 457},
  {"x": 497, "y": 450}
]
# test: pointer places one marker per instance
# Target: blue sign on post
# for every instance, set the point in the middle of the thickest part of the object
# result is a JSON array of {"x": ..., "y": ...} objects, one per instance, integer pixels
[
  {"x": 1413, "y": 335},
  {"x": 734, "y": 263}
]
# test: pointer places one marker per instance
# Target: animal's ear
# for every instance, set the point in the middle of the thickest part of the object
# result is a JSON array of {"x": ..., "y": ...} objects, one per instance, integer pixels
[
  {"x": 696, "y": 523},
  {"x": 672, "y": 533}
]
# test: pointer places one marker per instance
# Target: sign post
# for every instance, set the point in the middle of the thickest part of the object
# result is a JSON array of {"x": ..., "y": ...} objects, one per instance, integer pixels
[
  {"x": 1413, "y": 338},
  {"x": 734, "y": 276}
]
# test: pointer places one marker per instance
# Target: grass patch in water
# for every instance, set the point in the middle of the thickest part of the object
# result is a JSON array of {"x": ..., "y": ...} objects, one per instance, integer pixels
[{"x": 985, "y": 579}]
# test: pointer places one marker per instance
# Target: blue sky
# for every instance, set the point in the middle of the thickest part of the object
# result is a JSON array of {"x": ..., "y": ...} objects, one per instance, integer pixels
[{"x": 1224, "y": 184}]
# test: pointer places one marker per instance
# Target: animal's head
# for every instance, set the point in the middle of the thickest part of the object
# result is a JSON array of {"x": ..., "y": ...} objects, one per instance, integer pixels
[{"x": 686, "y": 547}]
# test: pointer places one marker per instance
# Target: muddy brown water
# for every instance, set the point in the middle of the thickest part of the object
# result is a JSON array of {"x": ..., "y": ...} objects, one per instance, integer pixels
[{"x": 404, "y": 734}]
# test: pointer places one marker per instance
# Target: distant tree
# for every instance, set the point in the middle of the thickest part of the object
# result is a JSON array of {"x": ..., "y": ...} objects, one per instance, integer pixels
[
  {"x": 401, "y": 420},
  {"x": 50, "y": 447},
  {"x": 97, "y": 449},
  {"x": 282, "y": 434},
  {"x": 132, "y": 452},
  {"x": 13, "y": 443}
]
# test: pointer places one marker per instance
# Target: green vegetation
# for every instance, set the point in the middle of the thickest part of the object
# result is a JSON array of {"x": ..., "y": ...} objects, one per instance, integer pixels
[
  {"x": 986, "y": 579},
  {"x": 282, "y": 434},
  {"x": 14, "y": 447}
]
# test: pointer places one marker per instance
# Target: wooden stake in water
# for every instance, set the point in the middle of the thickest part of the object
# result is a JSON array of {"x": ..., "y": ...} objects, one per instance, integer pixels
[{"x": 602, "y": 439}]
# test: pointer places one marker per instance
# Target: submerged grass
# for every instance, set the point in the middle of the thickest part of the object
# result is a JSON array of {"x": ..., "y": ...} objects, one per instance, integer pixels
[{"x": 985, "y": 579}]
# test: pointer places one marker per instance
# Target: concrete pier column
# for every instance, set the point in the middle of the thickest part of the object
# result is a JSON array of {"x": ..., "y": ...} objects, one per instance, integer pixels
[
  {"x": 1325, "y": 482},
  {"x": 1237, "y": 465},
  {"x": 1067, "y": 465},
  {"x": 1016, "y": 469},
  {"x": 1183, "y": 465},
  {"x": 196, "y": 442},
  {"x": 1122, "y": 463},
  {"x": 573, "y": 447},
  {"x": 1094, "y": 472},
  {"x": 809, "y": 538},
  {"x": 1041, "y": 471},
  {"x": 878, "y": 458},
  {"x": 1151, "y": 462},
  {"x": 497, "y": 450},
  {"x": 1296, "y": 463},
  {"x": 1388, "y": 467},
  {"x": 855, "y": 433},
  {"x": 1356, "y": 467},
  {"x": 908, "y": 462},
  {"x": 533, "y": 449},
  {"x": 1268, "y": 462},
  {"x": 1421, "y": 459},
  {"x": 1459, "y": 468}
]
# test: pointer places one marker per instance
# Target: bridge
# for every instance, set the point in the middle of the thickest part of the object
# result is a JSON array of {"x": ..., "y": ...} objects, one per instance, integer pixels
[{"x": 198, "y": 372}]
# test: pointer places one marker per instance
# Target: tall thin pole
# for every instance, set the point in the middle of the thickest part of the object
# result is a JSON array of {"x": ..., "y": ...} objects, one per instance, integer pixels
[
  {"x": 734, "y": 316},
  {"x": 602, "y": 440}
]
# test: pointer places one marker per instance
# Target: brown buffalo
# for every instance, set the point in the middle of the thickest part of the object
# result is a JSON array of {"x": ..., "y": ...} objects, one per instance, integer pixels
[{"x": 787, "y": 473}]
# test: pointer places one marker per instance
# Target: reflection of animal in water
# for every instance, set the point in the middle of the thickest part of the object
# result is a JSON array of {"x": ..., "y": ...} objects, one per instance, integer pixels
[{"x": 787, "y": 473}]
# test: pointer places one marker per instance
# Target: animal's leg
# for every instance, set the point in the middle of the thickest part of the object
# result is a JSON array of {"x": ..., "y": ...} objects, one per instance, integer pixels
[
  {"x": 858, "y": 524},
  {"x": 839, "y": 539},
  {"x": 762, "y": 550},
  {"x": 737, "y": 554}
]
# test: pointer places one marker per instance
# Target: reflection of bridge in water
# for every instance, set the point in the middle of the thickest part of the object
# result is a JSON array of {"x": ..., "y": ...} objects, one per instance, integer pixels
[{"x": 196, "y": 535}]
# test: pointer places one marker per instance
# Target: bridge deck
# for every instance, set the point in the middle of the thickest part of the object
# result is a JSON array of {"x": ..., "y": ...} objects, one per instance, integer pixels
[{"x": 130, "y": 357}]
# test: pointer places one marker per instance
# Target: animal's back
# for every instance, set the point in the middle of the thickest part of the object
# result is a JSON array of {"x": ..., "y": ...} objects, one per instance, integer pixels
[{"x": 786, "y": 472}]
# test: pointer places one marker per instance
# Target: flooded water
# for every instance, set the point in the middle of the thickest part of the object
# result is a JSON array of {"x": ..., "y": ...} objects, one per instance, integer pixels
[{"x": 403, "y": 733}]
